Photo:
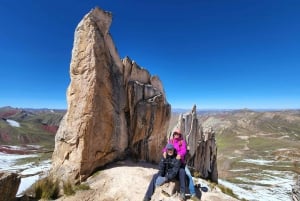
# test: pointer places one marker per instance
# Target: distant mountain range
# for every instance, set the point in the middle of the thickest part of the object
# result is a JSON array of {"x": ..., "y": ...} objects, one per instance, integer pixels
[
  {"x": 253, "y": 145},
  {"x": 216, "y": 111},
  {"x": 47, "y": 120},
  {"x": 258, "y": 150},
  {"x": 29, "y": 126},
  {"x": 39, "y": 125}
]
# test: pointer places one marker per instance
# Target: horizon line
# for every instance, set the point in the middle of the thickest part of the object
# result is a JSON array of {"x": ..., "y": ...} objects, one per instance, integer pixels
[{"x": 175, "y": 108}]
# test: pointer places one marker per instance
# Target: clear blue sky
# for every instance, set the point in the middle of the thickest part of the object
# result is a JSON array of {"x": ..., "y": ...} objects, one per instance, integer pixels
[{"x": 213, "y": 53}]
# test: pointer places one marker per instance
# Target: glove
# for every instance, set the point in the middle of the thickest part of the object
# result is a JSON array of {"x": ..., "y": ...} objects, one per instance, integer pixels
[
  {"x": 165, "y": 154},
  {"x": 160, "y": 181}
]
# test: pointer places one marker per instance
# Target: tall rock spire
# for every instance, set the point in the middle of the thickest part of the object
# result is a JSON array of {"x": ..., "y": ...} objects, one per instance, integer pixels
[
  {"x": 201, "y": 144},
  {"x": 115, "y": 107}
]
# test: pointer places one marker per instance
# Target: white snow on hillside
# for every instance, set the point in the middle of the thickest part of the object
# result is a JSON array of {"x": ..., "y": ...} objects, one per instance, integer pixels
[
  {"x": 7, "y": 161},
  {"x": 34, "y": 170},
  {"x": 268, "y": 186},
  {"x": 13, "y": 123}
]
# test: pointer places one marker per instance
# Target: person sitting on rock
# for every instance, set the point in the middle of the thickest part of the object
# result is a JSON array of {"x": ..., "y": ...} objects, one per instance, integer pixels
[
  {"x": 168, "y": 169},
  {"x": 181, "y": 148}
]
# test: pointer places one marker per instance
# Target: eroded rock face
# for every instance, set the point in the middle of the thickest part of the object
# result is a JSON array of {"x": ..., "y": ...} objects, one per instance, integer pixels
[
  {"x": 9, "y": 184},
  {"x": 115, "y": 107},
  {"x": 202, "y": 145}
]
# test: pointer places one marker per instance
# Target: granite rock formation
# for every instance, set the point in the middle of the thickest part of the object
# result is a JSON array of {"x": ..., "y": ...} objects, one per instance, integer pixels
[
  {"x": 202, "y": 145},
  {"x": 9, "y": 184},
  {"x": 115, "y": 107}
]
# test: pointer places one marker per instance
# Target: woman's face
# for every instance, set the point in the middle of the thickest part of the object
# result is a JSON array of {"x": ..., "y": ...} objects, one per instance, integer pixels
[
  {"x": 176, "y": 135},
  {"x": 170, "y": 152}
]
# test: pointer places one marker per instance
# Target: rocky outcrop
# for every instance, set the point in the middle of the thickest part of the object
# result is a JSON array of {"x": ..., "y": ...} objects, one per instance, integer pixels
[
  {"x": 147, "y": 112},
  {"x": 128, "y": 180},
  {"x": 9, "y": 184},
  {"x": 166, "y": 192},
  {"x": 201, "y": 144},
  {"x": 115, "y": 107}
]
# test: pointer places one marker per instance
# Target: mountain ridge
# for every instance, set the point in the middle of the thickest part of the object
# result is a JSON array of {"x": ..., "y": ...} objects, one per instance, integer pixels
[
  {"x": 34, "y": 125},
  {"x": 247, "y": 140}
]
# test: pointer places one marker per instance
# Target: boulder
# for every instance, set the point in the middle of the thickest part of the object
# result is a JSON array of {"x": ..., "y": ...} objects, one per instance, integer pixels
[
  {"x": 115, "y": 107},
  {"x": 167, "y": 192},
  {"x": 9, "y": 184}
]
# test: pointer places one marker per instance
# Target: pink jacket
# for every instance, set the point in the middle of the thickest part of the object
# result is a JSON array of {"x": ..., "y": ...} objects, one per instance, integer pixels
[{"x": 180, "y": 146}]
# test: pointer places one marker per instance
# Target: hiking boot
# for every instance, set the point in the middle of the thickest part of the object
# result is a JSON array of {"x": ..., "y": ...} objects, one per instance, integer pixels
[
  {"x": 146, "y": 199},
  {"x": 182, "y": 196},
  {"x": 194, "y": 198}
]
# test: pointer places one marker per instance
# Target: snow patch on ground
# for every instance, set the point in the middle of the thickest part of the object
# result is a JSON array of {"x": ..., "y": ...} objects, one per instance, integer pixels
[
  {"x": 34, "y": 146},
  {"x": 240, "y": 192},
  {"x": 269, "y": 185},
  {"x": 243, "y": 137},
  {"x": 239, "y": 170},
  {"x": 258, "y": 161},
  {"x": 13, "y": 123},
  {"x": 7, "y": 161},
  {"x": 30, "y": 172},
  {"x": 26, "y": 183}
]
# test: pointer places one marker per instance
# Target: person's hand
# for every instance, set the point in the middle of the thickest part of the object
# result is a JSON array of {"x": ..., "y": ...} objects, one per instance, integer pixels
[
  {"x": 165, "y": 154},
  {"x": 178, "y": 157},
  {"x": 160, "y": 180}
]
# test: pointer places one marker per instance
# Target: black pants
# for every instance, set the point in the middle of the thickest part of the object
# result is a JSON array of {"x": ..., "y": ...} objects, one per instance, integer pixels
[{"x": 151, "y": 187}]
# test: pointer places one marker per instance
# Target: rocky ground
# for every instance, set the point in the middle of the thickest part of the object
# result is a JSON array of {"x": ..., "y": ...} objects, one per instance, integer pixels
[{"x": 128, "y": 181}]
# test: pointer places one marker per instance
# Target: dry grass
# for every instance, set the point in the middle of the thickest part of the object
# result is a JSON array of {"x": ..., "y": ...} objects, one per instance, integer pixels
[
  {"x": 68, "y": 188},
  {"x": 47, "y": 188}
]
